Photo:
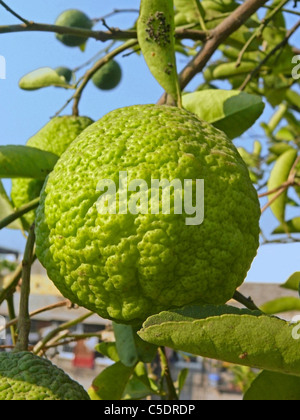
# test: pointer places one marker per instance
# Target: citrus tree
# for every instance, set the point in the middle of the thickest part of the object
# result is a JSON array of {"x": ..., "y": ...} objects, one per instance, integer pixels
[{"x": 150, "y": 217}]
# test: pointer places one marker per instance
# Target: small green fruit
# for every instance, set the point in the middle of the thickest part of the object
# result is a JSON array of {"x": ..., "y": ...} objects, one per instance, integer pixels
[
  {"x": 26, "y": 377},
  {"x": 108, "y": 77},
  {"x": 73, "y": 19},
  {"x": 65, "y": 72},
  {"x": 55, "y": 137}
]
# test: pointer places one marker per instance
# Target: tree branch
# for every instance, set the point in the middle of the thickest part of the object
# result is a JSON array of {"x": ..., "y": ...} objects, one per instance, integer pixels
[
  {"x": 279, "y": 46},
  {"x": 19, "y": 213},
  {"x": 113, "y": 34},
  {"x": 14, "y": 13},
  {"x": 90, "y": 73},
  {"x": 219, "y": 35},
  {"x": 24, "y": 318},
  {"x": 215, "y": 38},
  {"x": 247, "y": 302}
]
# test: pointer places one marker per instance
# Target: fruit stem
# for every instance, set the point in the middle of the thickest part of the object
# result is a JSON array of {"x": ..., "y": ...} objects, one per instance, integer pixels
[
  {"x": 172, "y": 394},
  {"x": 247, "y": 302},
  {"x": 19, "y": 213},
  {"x": 24, "y": 318}
]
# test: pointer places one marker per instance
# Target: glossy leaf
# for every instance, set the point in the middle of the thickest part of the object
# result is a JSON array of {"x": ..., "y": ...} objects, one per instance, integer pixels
[
  {"x": 233, "y": 112},
  {"x": 125, "y": 343},
  {"x": 281, "y": 305},
  {"x": 25, "y": 162},
  {"x": 292, "y": 226},
  {"x": 6, "y": 208},
  {"x": 156, "y": 38},
  {"x": 111, "y": 383},
  {"x": 41, "y": 78},
  {"x": 227, "y": 70},
  {"x": 278, "y": 178},
  {"x": 108, "y": 350},
  {"x": 225, "y": 333},
  {"x": 271, "y": 386},
  {"x": 130, "y": 347},
  {"x": 293, "y": 283}
]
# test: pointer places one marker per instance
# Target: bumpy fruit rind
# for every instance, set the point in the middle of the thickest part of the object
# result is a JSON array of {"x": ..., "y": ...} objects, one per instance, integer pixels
[
  {"x": 26, "y": 377},
  {"x": 127, "y": 267}
]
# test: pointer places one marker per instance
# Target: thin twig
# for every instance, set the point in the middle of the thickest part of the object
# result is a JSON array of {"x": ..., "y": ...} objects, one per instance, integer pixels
[
  {"x": 40, "y": 346},
  {"x": 166, "y": 373},
  {"x": 15, "y": 320},
  {"x": 115, "y": 12},
  {"x": 24, "y": 318},
  {"x": 12, "y": 315},
  {"x": 11, "y": 282},
  {"x": 19, "y": 213},
  {"x": 278, "y": 47},
  {"x": 258, "y": 32},
  {"x": 276, "y": 196},
  {"x": 89, "y": 74},
  {"x": 14, "y": 13},
  {"x": 247, "y": 302},
  {"x": 114, "y": 34},
  {"x": 275, "y": 190}
]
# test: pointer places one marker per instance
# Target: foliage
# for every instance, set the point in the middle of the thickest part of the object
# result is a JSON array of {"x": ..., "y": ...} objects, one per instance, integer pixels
[{"x": 248, "y": 48}]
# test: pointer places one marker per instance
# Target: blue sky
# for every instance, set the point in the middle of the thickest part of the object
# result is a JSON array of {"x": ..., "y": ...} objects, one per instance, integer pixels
[{"x": 22, "y": 114}]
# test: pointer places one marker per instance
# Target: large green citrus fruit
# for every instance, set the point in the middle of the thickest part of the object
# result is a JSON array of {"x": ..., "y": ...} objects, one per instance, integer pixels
[
  {"x": 74, "y": 19},
  {"x": 124, "y": 266},
  {"x": 108, "y": 77},
  {"x": 55, "y": 137},
  {"x": 26, "y": 377}
]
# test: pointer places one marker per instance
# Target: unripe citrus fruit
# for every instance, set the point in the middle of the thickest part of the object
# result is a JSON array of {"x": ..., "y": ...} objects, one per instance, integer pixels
[
  {"x": 55, "y": 137},
  {"x": 26, "y": 377},
  {"x": 108, "y": 77},
  {"x": 128, "y": 266},
  {"x": 65, "y": 72},
  {"x": 73, "y": 19}
]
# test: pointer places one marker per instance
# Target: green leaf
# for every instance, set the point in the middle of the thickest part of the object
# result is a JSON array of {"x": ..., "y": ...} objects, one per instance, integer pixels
[
  {"x": 233, "y": 112},
  {"x": 111, "y": 383},
  {"x": 25, "y": 162},
  {"x": 280, "y": 148},
  {"x": 109, "y": 350},
  {"x": 281, "y": 305},
  {"x": 6, "y": 208},
  {"x": 292, "y": 226},
  {"x": 271, "y": 386},
  {"x": 186, "y": 12},
  {"x": 225, "y": 333},
  {"x": 140, "y": 385},
  {"x": 182, "y": 377},
  {"x": 227, "y": 70},
  {"x": 155, "y": 34},
  {"x": 293, "y": 283},
  {"x": 278, "y": 177},
  {"x": 41, "y": 78},
  {"x": 125, "y": 343},
  {"x": 130, "y": 347}
]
